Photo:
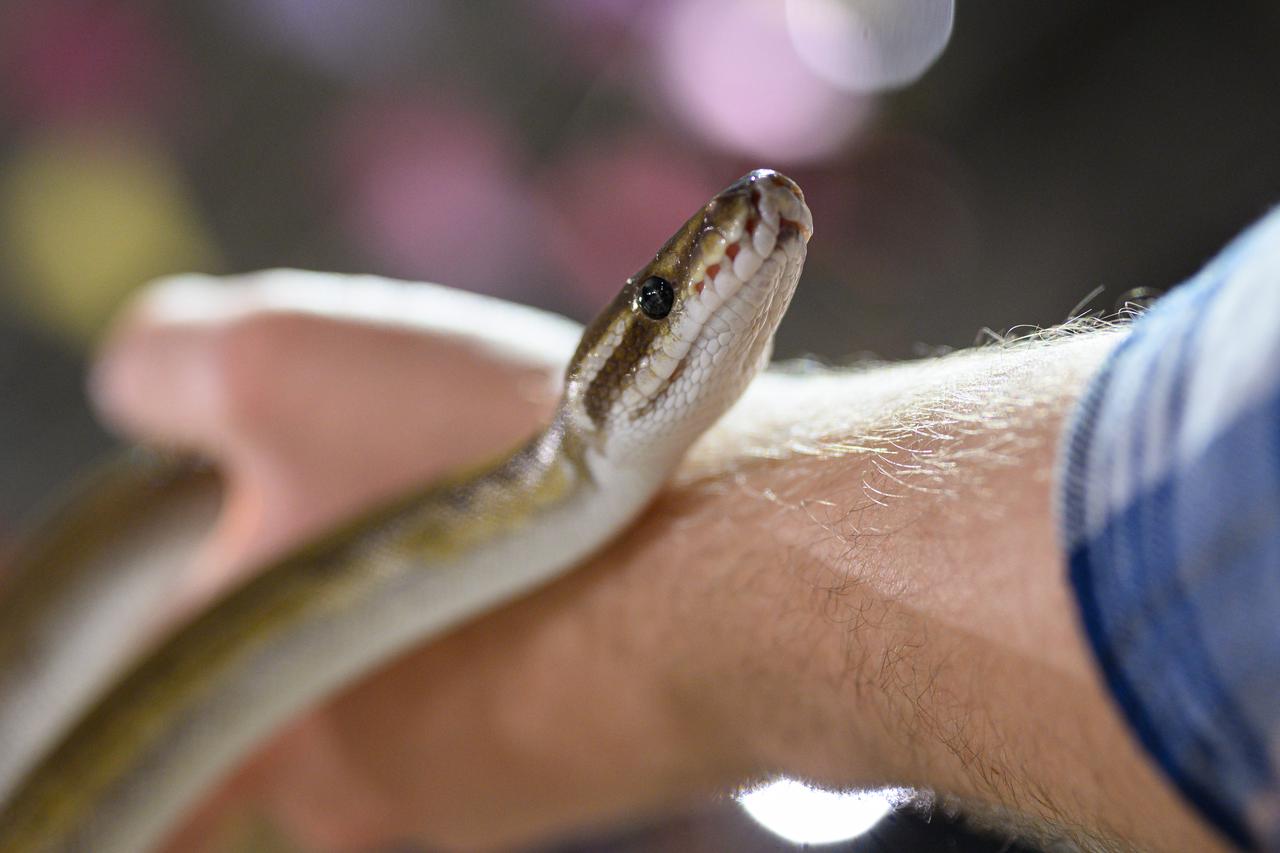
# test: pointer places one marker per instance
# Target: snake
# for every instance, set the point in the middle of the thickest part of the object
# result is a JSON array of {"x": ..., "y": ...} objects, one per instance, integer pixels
[{"x": 672, "y": 352}]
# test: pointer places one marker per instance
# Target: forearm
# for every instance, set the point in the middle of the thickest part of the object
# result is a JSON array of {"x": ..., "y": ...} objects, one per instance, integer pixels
[
  {"x": 884, "y": 602},
  {"x": 904, "y": 616}
]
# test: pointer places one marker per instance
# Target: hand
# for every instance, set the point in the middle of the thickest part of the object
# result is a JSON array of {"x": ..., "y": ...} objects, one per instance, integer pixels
[
  {"x": 854, "y": 579},
  {"x": 314, "y": 417}
]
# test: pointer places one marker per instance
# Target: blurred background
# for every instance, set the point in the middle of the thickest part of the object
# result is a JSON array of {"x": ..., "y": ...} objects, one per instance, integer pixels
[{"x": 968, "y": 172}]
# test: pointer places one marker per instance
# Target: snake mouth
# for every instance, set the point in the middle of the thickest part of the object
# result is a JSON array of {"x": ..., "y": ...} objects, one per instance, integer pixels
[
  {"x": 756, "y": 222},
  {"x": 777, "y": 200}
]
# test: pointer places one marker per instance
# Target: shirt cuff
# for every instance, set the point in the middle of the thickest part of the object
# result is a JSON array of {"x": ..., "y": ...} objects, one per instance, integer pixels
[{"x": 1170, "y": 513}]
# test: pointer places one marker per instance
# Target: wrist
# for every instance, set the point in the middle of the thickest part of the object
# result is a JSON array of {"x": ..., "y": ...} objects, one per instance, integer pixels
[
  {"x": 844, "y": 603},
  {"x": 768, "y": 650}
]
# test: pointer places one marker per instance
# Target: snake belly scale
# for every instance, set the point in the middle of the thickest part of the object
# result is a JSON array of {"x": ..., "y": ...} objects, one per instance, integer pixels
[{"x": 662, "y": 362}]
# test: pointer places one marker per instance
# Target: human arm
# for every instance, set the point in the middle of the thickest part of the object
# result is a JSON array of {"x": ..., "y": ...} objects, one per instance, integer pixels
[{"x": 856, "y": 580}]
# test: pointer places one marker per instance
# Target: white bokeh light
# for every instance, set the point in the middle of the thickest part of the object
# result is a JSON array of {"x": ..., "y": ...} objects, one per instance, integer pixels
[
  {"x": 869, "y": 45},
  {"x": 803, "y": 815}
]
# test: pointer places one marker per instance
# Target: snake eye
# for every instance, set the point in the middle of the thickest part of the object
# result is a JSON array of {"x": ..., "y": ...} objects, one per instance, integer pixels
[{"x": 656, "y": 297}]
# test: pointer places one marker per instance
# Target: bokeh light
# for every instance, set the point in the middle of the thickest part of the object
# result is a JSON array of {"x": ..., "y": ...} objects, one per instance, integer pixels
[
  {"x": 869, "y": 45},
  {"x": 87, "y": 217},
  {"x": 727, "y": 68},
  {"x": 71, "y": 61},
  {"x": 432, "y": 190},
  {"x": 804, "y": 815}
]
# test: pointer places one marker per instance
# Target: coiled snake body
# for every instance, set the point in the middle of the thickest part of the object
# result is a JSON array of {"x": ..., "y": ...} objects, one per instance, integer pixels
[{"x": 663, "y": 361}]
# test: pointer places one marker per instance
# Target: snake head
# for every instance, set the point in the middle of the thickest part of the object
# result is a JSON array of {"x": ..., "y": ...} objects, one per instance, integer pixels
[{"x": 687, "y": 332}]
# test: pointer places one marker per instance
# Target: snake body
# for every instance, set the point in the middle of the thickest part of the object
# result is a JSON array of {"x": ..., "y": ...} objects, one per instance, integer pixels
[
  {"x": 74, "y": 595},
  {"x": 663, "y": 361}
]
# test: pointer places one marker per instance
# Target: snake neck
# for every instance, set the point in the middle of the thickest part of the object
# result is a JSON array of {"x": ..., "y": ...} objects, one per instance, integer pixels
[{"x": 560, "y": 474}]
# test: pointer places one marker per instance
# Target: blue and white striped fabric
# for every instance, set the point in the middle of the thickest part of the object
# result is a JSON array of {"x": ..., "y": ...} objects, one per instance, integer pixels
[{"x": 1170, "y": 500}]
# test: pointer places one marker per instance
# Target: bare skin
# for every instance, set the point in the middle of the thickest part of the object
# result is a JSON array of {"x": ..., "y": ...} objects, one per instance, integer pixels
[{"x": 883, "y": 605}]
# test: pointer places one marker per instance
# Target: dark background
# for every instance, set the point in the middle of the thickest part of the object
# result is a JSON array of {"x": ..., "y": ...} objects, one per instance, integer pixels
[{"x": 538, "y": 151}]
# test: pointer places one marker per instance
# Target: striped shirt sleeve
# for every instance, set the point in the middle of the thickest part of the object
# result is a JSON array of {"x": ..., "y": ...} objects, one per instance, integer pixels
[{"x": 1170, "y": 511}]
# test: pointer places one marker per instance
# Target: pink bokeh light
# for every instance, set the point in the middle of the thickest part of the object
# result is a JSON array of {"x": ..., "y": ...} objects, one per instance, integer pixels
[
  {"x": 431, "y": 190},
  {"x": 84, "y": 62},
  {"x": 729, "y": 70}
]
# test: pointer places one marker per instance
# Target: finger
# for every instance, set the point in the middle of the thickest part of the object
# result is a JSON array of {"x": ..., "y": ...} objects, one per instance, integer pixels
[
  {"x": 313, "y": 411},
  {"x": 199, "y": 359}
]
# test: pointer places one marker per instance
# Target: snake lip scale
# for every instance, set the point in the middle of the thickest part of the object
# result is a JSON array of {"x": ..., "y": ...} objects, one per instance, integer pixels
[{"x": 670, "y": 354}]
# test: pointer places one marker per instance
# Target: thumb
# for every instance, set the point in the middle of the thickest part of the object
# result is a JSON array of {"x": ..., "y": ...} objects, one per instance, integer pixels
[{"x": 312, "y": 416}]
